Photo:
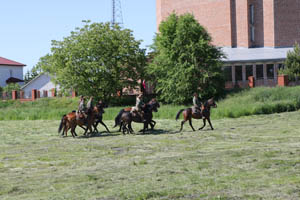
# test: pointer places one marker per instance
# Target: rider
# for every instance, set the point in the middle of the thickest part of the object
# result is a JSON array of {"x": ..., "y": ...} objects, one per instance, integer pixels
[
  {"x": 81, "y": 108},
  {"x": 138, "y": 106},
  {"x": 100, "y": 102},
  {"x": 196, "y": 104},
  {"x": 89, "y": 106}
]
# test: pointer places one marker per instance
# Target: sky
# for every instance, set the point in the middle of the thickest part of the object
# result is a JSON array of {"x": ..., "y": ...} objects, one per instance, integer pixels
[{"x": 28, "y": 26}]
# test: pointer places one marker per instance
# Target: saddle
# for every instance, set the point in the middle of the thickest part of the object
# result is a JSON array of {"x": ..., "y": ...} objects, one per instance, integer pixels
[
  {"x": 81, "y": 115},
  {"x": 196, "y": 110}
]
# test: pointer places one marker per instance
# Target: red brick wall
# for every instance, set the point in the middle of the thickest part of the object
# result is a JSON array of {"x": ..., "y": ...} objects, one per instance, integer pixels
[
  {"x": 276, "y": 22},
  {"x": 268, "y": 23},
  {"x": 287, "y": 22},
  {"x": 214, "y": 15},
  {"x": 242, "y": 23}
]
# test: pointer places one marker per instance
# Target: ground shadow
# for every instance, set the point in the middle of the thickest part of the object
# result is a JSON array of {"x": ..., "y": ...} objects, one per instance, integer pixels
[
  {"x": 99, "y": 134},
  {"x": 155, "y": 132}
]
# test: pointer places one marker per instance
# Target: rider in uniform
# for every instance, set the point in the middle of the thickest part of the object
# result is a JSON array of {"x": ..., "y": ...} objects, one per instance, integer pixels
[
  {"x": 81, "y": 108},
  {"x": 89, "y": 107},
  {"x": 138, "y": 106},
  {"x": 196, "y": 104}
]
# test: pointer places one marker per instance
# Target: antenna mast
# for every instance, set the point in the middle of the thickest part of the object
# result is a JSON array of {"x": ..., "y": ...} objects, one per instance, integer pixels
[{"x": 117, "y": 17}]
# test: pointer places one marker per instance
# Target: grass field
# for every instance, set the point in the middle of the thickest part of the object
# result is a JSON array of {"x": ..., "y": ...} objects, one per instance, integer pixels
[{"x": 254, "y": 157}]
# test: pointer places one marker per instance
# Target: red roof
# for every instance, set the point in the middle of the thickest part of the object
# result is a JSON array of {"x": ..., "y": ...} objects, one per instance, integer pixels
[{"x": 4, "y": 61}]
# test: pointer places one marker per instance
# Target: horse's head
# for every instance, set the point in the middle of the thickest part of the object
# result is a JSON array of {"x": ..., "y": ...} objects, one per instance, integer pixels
[
  {"x": 102, "y": 104},
  {"x": 154, "y": 105},
  {"x": 99, "y": 108},
  {"x": 211, "y": 103}
]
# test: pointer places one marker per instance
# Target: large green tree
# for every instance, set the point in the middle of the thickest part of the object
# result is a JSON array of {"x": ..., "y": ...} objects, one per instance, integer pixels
[
  {"x": 97, "y": 59},
  {"x": 185, "y": 61}
]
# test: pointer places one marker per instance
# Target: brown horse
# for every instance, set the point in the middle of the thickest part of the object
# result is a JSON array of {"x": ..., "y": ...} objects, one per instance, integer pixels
[
  {"x": 204, "y": 114},
  {"x": 70, "y": 121},
  {"x": 128, "y": 109},
  {"x": 127, "y": 117}
]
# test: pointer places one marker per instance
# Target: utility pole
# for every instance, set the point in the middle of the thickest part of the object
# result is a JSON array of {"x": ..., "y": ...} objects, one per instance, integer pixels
[{"x": 117, "y": 17}]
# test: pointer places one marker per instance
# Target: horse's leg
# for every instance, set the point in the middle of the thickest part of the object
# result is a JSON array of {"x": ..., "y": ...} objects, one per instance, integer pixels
[
  {"x": 182, "y": 122},
  {"x": 85, "y": 131},
  {"x": 65, "y": 131},
  {"x": 204, "y": 123},
  {"x": 121, "y": 123},
  {"x": 101, "y": 122},
  {"x": 72, "y": 131},
  {"x": 89, "y": 127},
  {"x": 152, "y": 124},
  {"x": 124, "y": 129},
  {"x": 208, "y": 119},
  {"x": 145, "y": 126},
  {"x": 95, "y": 127},
  {"x": 130, "y": 128},
  {"x": 190, "y": 122}
]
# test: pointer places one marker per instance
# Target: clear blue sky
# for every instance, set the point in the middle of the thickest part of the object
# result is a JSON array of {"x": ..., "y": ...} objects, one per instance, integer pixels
[{"x": 28, "y": 26}]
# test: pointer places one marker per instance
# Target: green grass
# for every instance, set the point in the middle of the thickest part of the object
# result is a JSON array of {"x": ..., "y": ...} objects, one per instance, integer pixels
[
  {"x": 247, "y": 102},
  {"x": 260, "y": 100},
  {"x": 253, "y": 157}
]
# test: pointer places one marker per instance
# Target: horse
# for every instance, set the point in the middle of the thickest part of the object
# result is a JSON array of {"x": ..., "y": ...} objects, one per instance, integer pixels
[
  {"x": 204, "y": 114},
  {"x": 127, "y": 117},
  {"x": 99, "y": 118},
  {"x": 70, "y": 121},
  {"x": 152, "y": 123}
]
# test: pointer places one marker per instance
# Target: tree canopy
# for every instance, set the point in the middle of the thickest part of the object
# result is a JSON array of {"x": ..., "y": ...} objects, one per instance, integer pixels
[
  {"x": 185, "y": 61},
  {"x": 292, "y": 62},
  {"x": 96, "y": 60}
]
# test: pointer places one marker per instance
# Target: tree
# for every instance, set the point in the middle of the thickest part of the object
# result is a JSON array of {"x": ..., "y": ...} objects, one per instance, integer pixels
[
  {"x": 292, "y": 62},
  {"x": 10, "y": 87},
  {"x": 96, "y": 60},
  {"x": 185, "y": 61}
]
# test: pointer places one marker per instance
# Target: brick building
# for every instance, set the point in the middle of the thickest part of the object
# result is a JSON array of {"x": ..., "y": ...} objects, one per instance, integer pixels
[{"x": 255, "y": 34}]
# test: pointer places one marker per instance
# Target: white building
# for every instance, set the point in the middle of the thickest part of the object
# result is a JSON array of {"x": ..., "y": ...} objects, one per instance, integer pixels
[
  {"x": 10, "y": 72},
  {"x": 41, "y": 83}
]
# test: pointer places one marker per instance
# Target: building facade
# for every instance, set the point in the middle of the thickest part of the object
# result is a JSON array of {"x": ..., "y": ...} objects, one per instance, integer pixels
[
  {"x": 10, "y": 71},
  {"x": 42, "y": 83},
  {"x": 255, "y": 34}
]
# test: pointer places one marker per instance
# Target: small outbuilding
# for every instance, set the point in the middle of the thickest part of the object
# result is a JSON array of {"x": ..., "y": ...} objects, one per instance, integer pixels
[{"x": 42, "y": 83}]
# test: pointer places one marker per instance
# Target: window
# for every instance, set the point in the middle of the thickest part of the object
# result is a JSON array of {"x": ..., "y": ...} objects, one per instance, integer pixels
[
  {"x": 252, "y": 14},
  {"x": 227, "y": 73},
  {"x": 238, "y": 73},
  {"x": 270, "y": 71},
  {"x": 11, "y": 73},
  {"x": 249, "y": 71},
  {"x": 252, "y": 34},
  {"x": 252, "y": 29},
  {"x": 280, "y": 66},
  {"x": 259, "y": 71}
]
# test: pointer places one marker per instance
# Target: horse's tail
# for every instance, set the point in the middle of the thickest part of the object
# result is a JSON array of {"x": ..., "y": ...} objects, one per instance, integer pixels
[
  {"x": 178, "y": 114},
  {"x": 118, "y": 118},
  {"x": 61, "y": 125}
]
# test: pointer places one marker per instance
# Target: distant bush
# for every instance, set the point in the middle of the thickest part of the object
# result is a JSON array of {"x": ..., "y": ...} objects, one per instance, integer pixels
[{"x": 254, "y": 101}]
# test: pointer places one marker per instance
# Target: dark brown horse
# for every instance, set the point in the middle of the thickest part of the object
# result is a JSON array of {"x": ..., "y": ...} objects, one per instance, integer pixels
[
  {"x": 127, "y": 117},
  {"x": 99, "y": 117},
  {"x": 128, "y": 109},
  {"x": 204, "y": 114},
  {"x": 70, "y": 121}
]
